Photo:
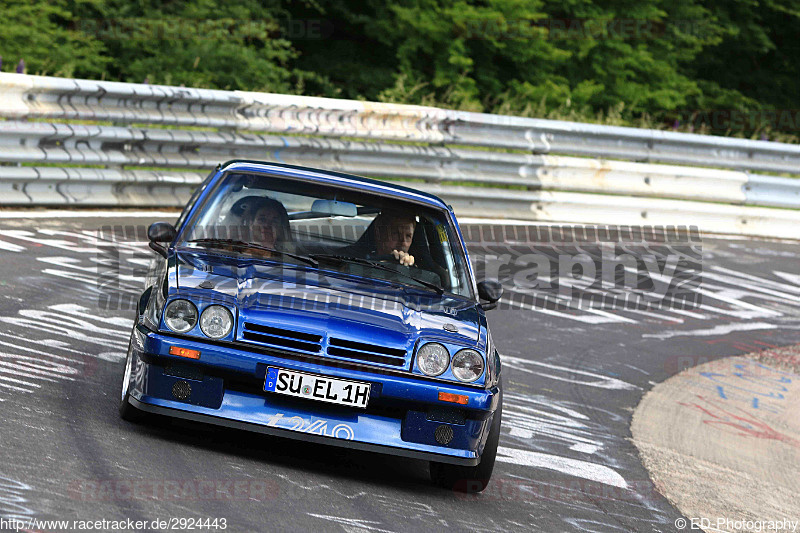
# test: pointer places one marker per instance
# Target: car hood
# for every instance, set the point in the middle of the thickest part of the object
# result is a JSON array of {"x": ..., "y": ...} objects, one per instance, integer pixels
[{"x": 328, "y": 304}]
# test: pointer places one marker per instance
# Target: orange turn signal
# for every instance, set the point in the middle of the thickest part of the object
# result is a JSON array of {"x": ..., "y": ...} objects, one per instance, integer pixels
[
  {"x": 453, "y": 398},
  {"x": 184, "y": 352}
]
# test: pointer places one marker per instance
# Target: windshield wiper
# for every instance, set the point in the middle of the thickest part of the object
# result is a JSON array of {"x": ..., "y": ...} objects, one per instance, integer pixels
[
  {"x": 242, "y": 244},
  {"x": 374, "y": 264}
]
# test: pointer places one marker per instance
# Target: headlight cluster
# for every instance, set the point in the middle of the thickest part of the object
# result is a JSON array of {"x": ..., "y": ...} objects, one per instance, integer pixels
[
  {"x": 216, "y": 321},
  {"x": 433, "y": 359},
  {"x": 467, "y": 365},
  {"x": 181, "y": 316}
]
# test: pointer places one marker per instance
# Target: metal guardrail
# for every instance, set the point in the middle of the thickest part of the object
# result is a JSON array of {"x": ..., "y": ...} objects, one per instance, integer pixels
[
  {"x": 580, "y": 208},
  {"x": 106, "y": 137},
  {"x": 94, "y": 187},
  {"x": 127, "y": 103}
]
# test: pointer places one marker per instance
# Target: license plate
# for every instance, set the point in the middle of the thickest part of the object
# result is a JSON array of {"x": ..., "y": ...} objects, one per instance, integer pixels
[{"x": 316, "y": 387}]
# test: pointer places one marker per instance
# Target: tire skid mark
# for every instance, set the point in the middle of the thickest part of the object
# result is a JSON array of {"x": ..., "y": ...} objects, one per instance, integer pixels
[
  {"x": 98, "y": 266},
  {"x": 5, "y": 380},
  {"x": 23, "y": 368},
  {"x": 548, "y": 434},
  {"x": 726, "y": 292},
  {"x": 551, "y": 371},
  {"x": 544, "y": 418},
  {"x": 565, "y": 465},
  {"x": 563, "y": 430},
  {"x": 352, "y": 525},
  {"x": 88, "y": 273},
  {"x": 84, "y": 242},
  {"x": 11, "y": 247},
  {"x": 13, "y": 503}
]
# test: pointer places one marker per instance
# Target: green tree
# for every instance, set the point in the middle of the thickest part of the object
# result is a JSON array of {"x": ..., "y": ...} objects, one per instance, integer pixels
[
  {"x": 621, "y": 61},
  {"x": 756, "y": 64},
  {"x": 46, "y": 35},
  {"x": 519, "y": 56},
  {"x": 199, "y": 43}
]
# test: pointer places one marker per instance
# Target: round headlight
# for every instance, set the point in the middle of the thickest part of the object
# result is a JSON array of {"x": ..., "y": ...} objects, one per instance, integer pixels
[
  {"x": 467, "y": 365},
  {"x": 180, "y": 316},
  {"x": 433, "y": 359},
  {"x": 216, "y": 321}
]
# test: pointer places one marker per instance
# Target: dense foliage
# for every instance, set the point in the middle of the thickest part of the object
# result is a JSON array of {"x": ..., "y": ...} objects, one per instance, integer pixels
[{"x": 721, "y": 65}]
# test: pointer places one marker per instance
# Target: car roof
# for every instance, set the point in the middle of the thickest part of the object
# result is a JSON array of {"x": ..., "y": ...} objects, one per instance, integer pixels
[{"x": 330, "y": 177}]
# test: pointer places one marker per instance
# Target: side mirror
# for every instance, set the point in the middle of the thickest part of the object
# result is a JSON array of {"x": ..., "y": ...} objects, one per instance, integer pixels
[
  {"x": 159, "y": 232},
  {"x": 491, "y": 291}
]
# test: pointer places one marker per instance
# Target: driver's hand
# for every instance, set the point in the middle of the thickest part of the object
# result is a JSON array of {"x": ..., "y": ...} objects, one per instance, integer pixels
[{"x": 404, "y": 258}]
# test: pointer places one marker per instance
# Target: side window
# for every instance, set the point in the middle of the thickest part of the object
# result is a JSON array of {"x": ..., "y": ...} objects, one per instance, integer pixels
[{"x": 193, "y": 200}]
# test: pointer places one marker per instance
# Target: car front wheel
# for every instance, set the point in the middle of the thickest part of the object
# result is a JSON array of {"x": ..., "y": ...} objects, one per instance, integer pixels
[
  {"x": 126, "y": 410},
  {"x": 471, "y": 478}
]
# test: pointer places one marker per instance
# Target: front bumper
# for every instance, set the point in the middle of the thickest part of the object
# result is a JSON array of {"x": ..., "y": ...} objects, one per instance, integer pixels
[{"x": 226, "y": 385}]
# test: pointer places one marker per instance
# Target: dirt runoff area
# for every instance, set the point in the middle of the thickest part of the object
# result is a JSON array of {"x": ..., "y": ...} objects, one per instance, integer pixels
[{"x": 721, "y": 441}]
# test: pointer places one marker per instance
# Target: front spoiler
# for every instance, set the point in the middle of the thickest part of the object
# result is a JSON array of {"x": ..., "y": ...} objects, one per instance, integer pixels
[{"x": 278, "y": 432}]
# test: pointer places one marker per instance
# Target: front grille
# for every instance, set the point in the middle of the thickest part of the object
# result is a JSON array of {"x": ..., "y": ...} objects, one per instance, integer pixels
[
  {"x": 367, "y": 352},
  {"x": 311, "y": 343},
  {"x": 282, "y": 338}
]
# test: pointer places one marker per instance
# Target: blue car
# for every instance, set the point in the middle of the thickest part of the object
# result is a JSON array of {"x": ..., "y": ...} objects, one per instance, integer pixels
[{"x": 324, "y": 307}]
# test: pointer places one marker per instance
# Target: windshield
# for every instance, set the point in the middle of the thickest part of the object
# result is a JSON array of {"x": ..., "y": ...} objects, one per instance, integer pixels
[{"x": 331, "y": 228}]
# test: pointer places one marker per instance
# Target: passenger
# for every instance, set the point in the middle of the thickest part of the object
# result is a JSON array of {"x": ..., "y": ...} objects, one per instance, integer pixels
[{"x": 268, "y": 223}]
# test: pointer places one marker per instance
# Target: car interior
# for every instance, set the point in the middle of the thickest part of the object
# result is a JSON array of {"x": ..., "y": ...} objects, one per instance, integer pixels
[{"x": 341, "y": 228}]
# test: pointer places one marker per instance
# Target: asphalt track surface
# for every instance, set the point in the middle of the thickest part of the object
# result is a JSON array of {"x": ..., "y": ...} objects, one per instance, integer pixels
[{"x": 565, "y": 463}]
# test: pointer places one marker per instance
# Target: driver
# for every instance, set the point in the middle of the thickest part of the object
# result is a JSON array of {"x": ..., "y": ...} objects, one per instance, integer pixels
[{"x": 394, "y": 231}]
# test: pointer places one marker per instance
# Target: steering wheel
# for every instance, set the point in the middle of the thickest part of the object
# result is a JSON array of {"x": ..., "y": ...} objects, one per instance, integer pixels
[{"x": 389, "y": 258}]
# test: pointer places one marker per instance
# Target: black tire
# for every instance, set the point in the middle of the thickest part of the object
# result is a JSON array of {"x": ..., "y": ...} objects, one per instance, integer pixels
[
  {"x": 471, "y": 478},
  {"x": 126, "y": 410}
]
